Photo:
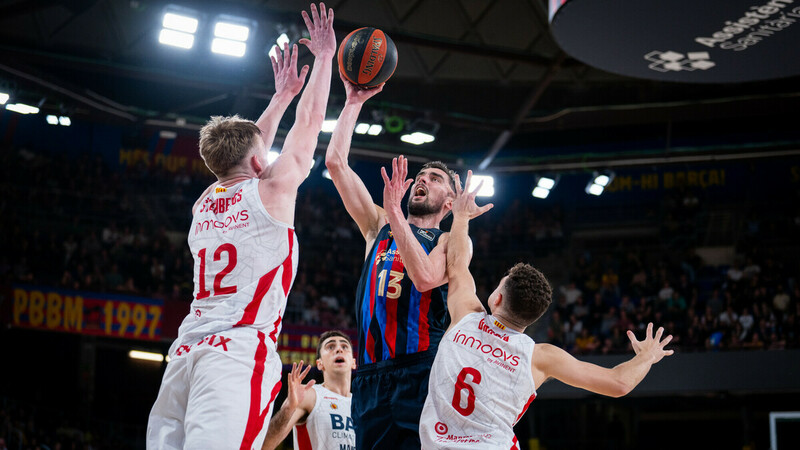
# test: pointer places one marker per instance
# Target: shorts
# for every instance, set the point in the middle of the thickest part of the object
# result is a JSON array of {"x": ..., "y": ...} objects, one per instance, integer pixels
[
  {"x": 217, "y": 393},
  {"x": 388, "y": 397}
]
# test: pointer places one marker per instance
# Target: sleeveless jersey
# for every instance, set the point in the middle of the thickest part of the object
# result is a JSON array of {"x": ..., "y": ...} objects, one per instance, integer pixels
[
  {"x": 328, "y": 426},
  {"x": 480, "y": 386},
  {"x": 393, "y": 317},
  {"x": 245, "y": 262}
]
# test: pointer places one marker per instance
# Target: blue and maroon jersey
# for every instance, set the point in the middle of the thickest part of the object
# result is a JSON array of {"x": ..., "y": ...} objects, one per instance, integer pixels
[{"x": 393, "y": 317}]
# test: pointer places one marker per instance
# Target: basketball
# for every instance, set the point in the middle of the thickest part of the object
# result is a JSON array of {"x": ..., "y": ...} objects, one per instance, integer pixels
[{"x": 367, "y": 57}]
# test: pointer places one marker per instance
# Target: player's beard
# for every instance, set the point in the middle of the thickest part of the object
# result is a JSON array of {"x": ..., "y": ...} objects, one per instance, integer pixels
[{"x": 424, "y": 208}]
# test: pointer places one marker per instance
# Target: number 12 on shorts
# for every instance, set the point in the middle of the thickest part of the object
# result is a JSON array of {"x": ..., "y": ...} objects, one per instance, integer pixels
[{"x": 465, "y": 406}]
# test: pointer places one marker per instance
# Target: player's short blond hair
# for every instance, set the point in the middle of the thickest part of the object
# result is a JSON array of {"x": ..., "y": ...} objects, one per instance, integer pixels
[{"x": 226, "y": 141}]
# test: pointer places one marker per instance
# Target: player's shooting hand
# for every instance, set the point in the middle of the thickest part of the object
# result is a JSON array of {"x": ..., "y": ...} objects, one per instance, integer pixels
[
  {"x": 284, "y": 66},
  {"x": 297, "y": 390},
  {"x": 359, "y": 95},
  {"x": 652, "y": 346},
  {"x": 464, "y": 204},
  {"x": 322, "y": 39},
  {"x": 394, "y": 189}
]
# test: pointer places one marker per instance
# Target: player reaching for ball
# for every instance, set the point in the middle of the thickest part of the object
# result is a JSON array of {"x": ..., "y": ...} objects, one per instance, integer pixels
[
  {"x": 401, "y": 309},
  {"x": 224, "y": 371},
  {"x": 487, "y": 370},
  {"x": 319, "y": 414}
]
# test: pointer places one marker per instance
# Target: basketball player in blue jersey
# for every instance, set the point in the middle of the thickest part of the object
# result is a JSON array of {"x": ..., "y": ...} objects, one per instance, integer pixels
[{"x": 401, "y": 308}]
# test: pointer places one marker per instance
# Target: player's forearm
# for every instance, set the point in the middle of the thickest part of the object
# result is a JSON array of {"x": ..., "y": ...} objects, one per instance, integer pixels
[
  {"x": 271, "y": 117},
  {"x": 458, "y": 251},
  {"x": 415, "y": 260},
  {"x": 314, "y": 100},
  {"x": 339, "y": 146},
  {"x": 630, "y": 373},
  {"x": 279, "y": 428}
]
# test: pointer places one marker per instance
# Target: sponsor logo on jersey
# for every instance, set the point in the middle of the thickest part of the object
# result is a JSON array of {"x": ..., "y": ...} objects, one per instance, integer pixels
[
  {"x": 334, "y": 406},
  {"x": 219, "y": 189},
  {"x": 230, "y": 222},
  {"x": 485, "y": 328},
  {"x": 499, "y": 325},
  {"x": 220, "y": 205},
  {"x": 389, "y": 255},
  {"x": 440, "y": 428},
  {"x": 475, "y": 344},
  {"x": 426, "y": 234}
]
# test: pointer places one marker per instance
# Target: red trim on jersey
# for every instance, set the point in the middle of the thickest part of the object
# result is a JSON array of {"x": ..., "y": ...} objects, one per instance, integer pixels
[
  {"x": 264, "y": 285},
  {"x": 274, "y": 333},
  {"x": 424, "y": 334},
  {"x": 370, "y": 345},
  {"x": 303, "y": 440},
  {"x": 256, "y": 417},
  {"x": 515, "y": 444},
  {"x": 390, "y": 334},
  {"x": 525, "y": 408}
]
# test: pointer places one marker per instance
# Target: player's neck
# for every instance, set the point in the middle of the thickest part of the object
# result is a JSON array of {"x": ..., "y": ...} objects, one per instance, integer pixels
[
  {"x": 502, "y": 318},
  {"x": 234, "y": 177},
  {"x": 427, "y": 221},
  {"x": 339, "y": 385}
]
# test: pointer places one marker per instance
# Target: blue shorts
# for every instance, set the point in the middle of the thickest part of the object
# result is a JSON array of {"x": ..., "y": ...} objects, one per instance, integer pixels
[{"x": 388, "y": 397}]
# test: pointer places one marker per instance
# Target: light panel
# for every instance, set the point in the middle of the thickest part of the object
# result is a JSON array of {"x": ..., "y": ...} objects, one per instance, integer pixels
[
  {"x": 228, "y": 47},
  {"x": 179, "y": 22},
  {"x": 22, "y": 108},
  {"x": 3, "y": 98},
  {"x": 231, "y": 31},
  {"x": 417, "y": 138},
  {"x": 52, "y": 120},
  {"x": 540, "y": 192},
  {"x": 146, "y": 356},
  {"x": 594, "y": 189},
  {"x": 487, "y": 188},
  {"x": 328, "y": 125},
  {"x": 64, "y": 121},
  {"x": 546, "y": 183},
  {"x": 176, "y": 38},
  {"x": 362, "y": 128},
  {"x": 374, "y": 130}
]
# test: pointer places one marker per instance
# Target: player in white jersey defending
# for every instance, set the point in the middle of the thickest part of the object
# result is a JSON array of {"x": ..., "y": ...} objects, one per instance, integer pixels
[
  {"x": 224, "y": 371},
  {"x": 487, "y": 370},
  {"x": 320, "y": 414}
]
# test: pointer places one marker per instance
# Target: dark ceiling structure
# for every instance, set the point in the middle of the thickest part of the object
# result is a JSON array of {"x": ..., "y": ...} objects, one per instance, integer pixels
[{"x": 488, "y": 74}]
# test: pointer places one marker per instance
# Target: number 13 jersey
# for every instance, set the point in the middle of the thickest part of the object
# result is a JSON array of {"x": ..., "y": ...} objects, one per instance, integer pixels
[
  {"x": 480, "y": 386},
  {"x": 245, "y": 262}
]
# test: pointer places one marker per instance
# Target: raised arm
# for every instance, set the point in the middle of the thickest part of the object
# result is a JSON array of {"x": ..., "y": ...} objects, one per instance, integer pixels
[
  {"x": 552, "y": 362},
  {"x": 355, "y": 196},
  {"x": 461, "y": 298},
  {"x": 287, "y": 85},
  {"x": 279, "y": 188},
  {"x": 299, "y": 403}
]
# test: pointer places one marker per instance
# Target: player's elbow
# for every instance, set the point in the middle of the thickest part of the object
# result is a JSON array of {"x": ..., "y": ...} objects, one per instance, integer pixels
[
  {"x": 620, "y": 388},
  {"x": 335, "y": 163}
]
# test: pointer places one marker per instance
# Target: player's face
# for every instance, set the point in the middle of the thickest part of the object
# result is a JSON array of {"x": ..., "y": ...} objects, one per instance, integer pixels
[
  {"x": 494, "y": 297},
  {"x": 336, "y": 355},
  {"x": 430, "y": 193}
]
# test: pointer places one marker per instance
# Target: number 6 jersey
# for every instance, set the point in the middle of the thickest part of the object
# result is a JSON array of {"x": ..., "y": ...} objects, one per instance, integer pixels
[
  {"x": 245, "y": 262},
  {"x": 480, "y": 386}
]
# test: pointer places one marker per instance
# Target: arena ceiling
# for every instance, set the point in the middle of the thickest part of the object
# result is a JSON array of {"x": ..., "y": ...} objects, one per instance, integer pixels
[{"x": 488, "y": 73}]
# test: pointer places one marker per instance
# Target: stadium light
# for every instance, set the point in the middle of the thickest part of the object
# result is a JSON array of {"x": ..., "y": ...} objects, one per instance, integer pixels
[
  {"x": 487, "y": 188},
  {"x": 232, "y": 31},
  {"x": 328, "y": 125},
  {"x": 272, "y": 156},
  {"x": 374, "y": 129},
  {"x": 178, "y": 29},
  {"x": 52, "y": 120},
  {"x": 64, "y": 121},
  {"x": 599, "y": 181},
  {"x": 3, "y": 98},
  {"x": 544, "y": 185},
  {"x": 228, "y": 47},
  {"x": 147, "y": 356},
  {"x": 362, "y": 128},
  {"x": 326, "y": 174},
  {"x": 22, "y": 108},
  {"x": 282, "y": 39},
  {"x": 417, "y": 138}
]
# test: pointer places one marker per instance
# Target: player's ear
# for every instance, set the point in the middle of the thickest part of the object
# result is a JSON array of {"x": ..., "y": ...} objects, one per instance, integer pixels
[
  {"x": 256, "y": 164},
  {"x": 319, "y": 364}
]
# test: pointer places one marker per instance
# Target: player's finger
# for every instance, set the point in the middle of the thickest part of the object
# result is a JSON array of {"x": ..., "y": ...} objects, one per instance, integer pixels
[
  {"x": 666, "y": 341},
  {"x": 669, "y": 352},
  {"x": 307, "y": 20},
  {"x": 293, "y": 56},
  {"x": 311, "y": 384},
  {"x": 659, "y": 332},
  {"x": 286, "y": 54},
  {"x": 303, "y": 73},
  {"x": 458, "y": 184},
  {"x": 649, "y": 330},
  {"x": 323, "y": 14},
  {"x": 485, "y": 208},
  {"x": 385, "y": 177},
  {"x": 330, "y": 17},
  {"x": 407, "y": 184},
  {"x": 274, "y": 65},
  {"x": 314, "y": 14}
]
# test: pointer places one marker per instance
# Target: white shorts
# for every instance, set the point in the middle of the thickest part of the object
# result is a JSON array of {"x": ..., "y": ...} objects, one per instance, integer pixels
[{"x": 217, "y": 393}]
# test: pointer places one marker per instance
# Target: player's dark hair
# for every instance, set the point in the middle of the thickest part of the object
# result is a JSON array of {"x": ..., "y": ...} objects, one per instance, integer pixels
[
  {"x": 527, "y": 293},
  {"x": 328, "y": 334},
  {"x": 443, "y": 167}
]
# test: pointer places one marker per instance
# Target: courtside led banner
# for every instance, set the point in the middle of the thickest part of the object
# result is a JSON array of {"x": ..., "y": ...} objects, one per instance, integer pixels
[
  {"x": 86, "y": 313},
  {"x": 706, "y": 41}
]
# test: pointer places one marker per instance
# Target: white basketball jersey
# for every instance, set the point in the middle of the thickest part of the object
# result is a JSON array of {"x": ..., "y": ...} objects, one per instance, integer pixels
[
  {"x": 328, "y": 426},
  {"x": 245, "y": 262},
  {"x": 480, "y": 386}
]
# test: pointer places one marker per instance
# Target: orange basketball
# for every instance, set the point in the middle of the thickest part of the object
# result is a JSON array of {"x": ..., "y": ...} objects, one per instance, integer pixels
[{"x": 367, "y": 57}]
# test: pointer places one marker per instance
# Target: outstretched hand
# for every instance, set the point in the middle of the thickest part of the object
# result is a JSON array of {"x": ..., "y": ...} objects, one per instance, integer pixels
[
  {"x": 464, "y": 203},
  {"x": 652, "y": 346},
  {"x": 322, "y": 40},
  {"x": 297, "y": 391},
  {"x": 284, "y": 66},
  {"x": 356, "y": 94},
  {"x": 394, "y": 189}
]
